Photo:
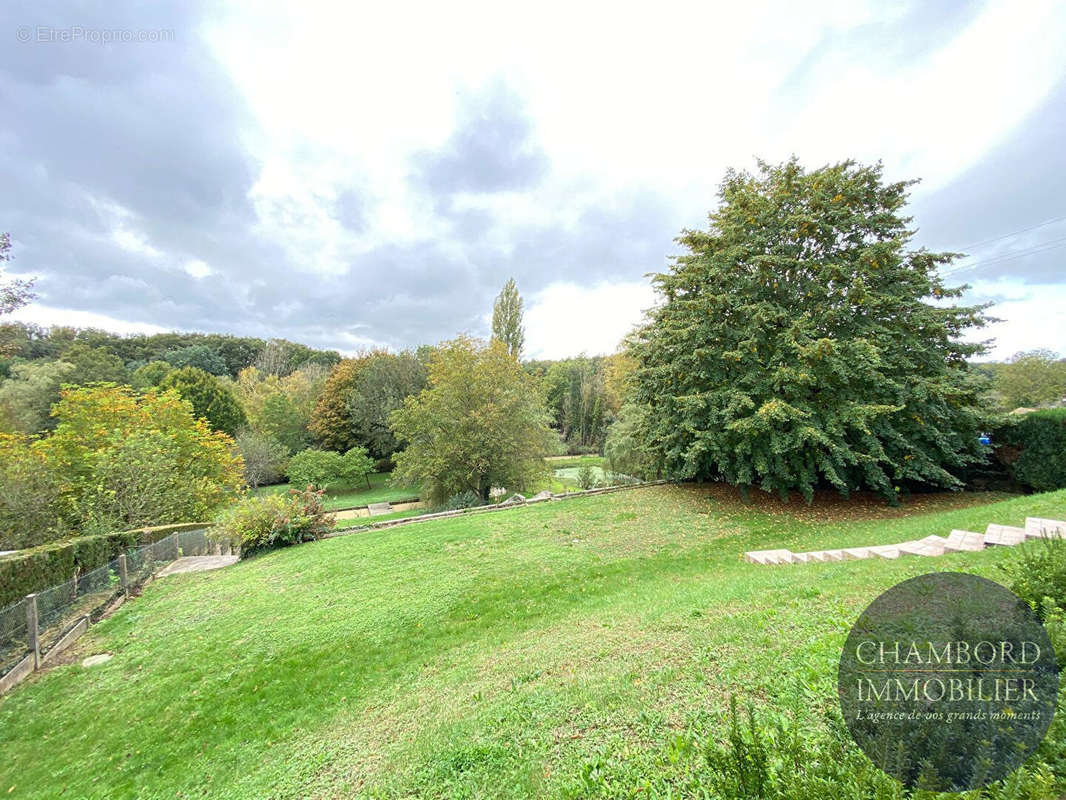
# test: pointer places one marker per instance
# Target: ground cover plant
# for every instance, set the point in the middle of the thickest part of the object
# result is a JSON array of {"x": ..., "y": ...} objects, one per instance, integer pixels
[{"x": 588, "y": 648}]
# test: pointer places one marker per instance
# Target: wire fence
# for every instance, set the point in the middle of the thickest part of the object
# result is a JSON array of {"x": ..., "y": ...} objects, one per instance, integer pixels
[{"x": 87, "y": 595}]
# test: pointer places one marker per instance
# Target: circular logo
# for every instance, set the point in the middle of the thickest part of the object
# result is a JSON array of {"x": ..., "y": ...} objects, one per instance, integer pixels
[{"x": 948, "y": 681}]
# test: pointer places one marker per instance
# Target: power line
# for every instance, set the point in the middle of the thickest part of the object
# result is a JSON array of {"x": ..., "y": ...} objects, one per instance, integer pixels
[
  {"x": 1013, "y": 233},
  {"x": 1053, "y": 244}
]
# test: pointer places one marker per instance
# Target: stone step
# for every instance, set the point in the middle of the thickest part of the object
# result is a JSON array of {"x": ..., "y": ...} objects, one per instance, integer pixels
[
  {"x": 855, "y": 553},
  {"x": 1037, "y": 528},
  {"x": 769, "y": 556},
  {"x": 801, "y": 558},
  {"x": 885, "y": 551},
  {"x": 929, "y": 546},
  {"x": 1004, "y": 535},
  {"x": 964, "y": 541}
]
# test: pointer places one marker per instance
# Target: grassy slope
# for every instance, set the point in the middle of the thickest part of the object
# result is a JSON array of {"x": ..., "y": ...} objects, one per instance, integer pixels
[
  {"x": 554, "y": 649},
  {"x": 380, "y": 491}
]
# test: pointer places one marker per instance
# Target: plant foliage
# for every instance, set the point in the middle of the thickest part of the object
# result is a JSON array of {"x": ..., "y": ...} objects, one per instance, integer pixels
[{"x": 800, "y": 343}]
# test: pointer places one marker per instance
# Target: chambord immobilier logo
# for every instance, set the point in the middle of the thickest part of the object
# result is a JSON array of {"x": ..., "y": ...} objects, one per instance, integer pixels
[{"x": 948, "y": 681}]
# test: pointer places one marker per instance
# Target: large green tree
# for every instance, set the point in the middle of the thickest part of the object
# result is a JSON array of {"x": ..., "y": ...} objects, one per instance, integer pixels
[
  {"x": 799, "y": 342},
  {"x": 380, "y": 387},
  {"x": 507, "y": 319},
  {"x": 480, "y": 423},
  {"x": 26, "y": 398},
  {"x": 1033, "y": 378},
  {"x": 210, "y": 400}
]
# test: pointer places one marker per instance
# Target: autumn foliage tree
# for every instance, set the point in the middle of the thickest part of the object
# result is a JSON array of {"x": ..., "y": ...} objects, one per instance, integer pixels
[
  {"x": 117, "y": 459},
  {"x": 331, "y": 420},
  {"x": 799, "y": 342},
  {"x": 481, "y": 422}
]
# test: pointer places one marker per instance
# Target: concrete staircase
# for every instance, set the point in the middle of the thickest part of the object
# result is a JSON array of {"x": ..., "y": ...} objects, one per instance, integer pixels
[{"x": 955, "y": 542}]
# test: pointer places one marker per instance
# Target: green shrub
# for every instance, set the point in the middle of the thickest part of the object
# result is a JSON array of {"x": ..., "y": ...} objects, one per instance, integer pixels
[
  {"x": 357, "y": 466},
  {"x": 317, "y": 468},
  {"x": 263, "y": 523},
  {"x": 586, "y": 478},
  {"x": 49, "y": 565},
  {"x": 1037, "y": 570},
  {"x": 466, "y": 499},
  {"x": 1033, "y": 448}
]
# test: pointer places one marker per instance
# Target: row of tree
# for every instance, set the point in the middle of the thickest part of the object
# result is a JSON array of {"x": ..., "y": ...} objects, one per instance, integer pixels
[
  {"x": 109, "y": 356},
  {"x": 799, "y": 343}
]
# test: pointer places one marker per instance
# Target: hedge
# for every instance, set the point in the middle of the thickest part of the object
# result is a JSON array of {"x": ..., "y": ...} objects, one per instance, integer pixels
[
  {"x": 39, "y": 568},
  {"x": 1033, "y": 449}
]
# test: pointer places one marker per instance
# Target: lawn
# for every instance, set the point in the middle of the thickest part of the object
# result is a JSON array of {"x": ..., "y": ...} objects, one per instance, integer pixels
[
  {"x": 587, "y": 647},
  {"x": 380, "y": 491}
]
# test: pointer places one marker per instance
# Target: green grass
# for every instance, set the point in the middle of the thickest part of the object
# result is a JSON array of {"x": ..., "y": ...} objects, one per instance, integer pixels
[
  {"x": 380, "y": 491},
  {"x": 568, "y": 649}
]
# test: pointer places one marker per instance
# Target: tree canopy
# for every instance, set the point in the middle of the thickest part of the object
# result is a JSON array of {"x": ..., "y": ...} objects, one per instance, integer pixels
[
  {"x": 800, "y": 343},
  {"x": 1033, "y": 378},
  {"x": 210, "y": 399},
  {"x": 507, "y": 319},
  {"x": 480, "y": 423},
  {"x": 381, "y": 385}
]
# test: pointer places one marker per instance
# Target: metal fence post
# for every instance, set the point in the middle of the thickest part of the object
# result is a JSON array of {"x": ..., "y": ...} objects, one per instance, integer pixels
[
  {"x": 123, "y": 575},
  {"x": 32, "y": 636}
]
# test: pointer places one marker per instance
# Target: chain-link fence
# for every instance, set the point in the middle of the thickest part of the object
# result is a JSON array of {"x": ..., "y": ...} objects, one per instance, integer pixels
[
  {"x": 87, "y": 595},
  {"x": 14, "y": 643}
]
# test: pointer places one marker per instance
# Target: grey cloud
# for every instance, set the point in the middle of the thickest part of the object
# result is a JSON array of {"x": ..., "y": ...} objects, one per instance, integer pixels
[
  {"x": 156, "y": 129},
  {"x": 491, "y": 149},
  {"x": 1015, "y": 186},
  {"x": 350, "y": 211}
]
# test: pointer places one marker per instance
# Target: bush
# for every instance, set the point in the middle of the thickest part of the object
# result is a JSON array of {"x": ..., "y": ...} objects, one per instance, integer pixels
[
  {"x": 586, "y": 478},
  {"x": 263, "y": 523},
  {"x": 265, "y": 458},
  {"x": 1037, "y": 570},
  {"x": 357, "y": 466},
  {"x": 318, "y": 468},
  {"x": 50, "y": 565},
  {"x": 1033, "y": 448},
  {"x": 462, "y": 500}
]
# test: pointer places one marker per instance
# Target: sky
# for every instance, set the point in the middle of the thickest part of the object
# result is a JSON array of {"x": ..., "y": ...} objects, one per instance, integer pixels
[{"x": 370, "y": 174}]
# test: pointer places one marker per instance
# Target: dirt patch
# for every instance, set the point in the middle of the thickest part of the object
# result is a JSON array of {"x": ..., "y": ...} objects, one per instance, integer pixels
[{"x": 830, "y": 506}]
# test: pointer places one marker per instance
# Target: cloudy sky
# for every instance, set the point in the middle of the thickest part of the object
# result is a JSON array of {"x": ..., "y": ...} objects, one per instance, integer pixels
[{"x": 371, "y": 173}]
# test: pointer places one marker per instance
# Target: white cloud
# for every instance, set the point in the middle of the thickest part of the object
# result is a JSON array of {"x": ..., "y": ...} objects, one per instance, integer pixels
[
  {"x": 49, "y": 316},
  {"x": 198, "y": 269},
  {"x": 565, "y": 319},
  {"x": 1031, "y": 317}
]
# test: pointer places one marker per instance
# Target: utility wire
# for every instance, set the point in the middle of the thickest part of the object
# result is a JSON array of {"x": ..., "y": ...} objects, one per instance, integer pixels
[
  {"x": 1012, "y": 233},
  {"x": 1053, "y": 244}
]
